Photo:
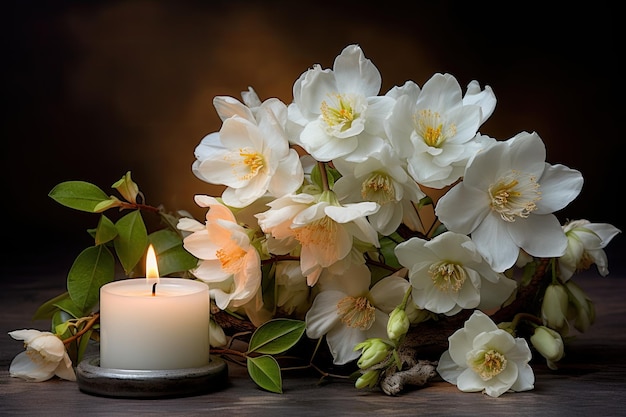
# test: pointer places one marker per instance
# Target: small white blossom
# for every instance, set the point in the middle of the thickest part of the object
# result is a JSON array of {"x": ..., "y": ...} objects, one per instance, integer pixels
[
  {"x": 45, "y": 357},
  {"x": 348, "y": 312},
  {"x": 448, "y": 274},
  {"x": 585, "y": 246},
  {"x": 435, "y": 128},
  {"x": 382, "y": 179},
  {"x": 250, "y": 157},
  {"x": 483, "y": 358},
  {"x": 338, "y": 112},
  {"x": 507, "y": 199}
]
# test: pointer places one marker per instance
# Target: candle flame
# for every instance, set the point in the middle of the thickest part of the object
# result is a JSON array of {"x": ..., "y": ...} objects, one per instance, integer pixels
[{"x": 152, "y": 267}]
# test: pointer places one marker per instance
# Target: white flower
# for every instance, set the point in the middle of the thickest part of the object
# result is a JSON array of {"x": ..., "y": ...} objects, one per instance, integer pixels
[
  {"x": 585, "y": 246},
  {"x": 506, "y": 201},
  {"x": 326, "y": 231},
  {"x": 293, "y": 296},
  {"x": 250, "y": 157},
  {"x": 435, "y": 128},
  {"x": 448, "y": 274},
  {"x": 482, "y": 357},
  {"x": 228, "y": 261},
  {"x": 348, "y": 312},
  {"x": 381, "y": 178},
  {"x": 45, "y": 357},
  {"x": 338, "y": 112}
]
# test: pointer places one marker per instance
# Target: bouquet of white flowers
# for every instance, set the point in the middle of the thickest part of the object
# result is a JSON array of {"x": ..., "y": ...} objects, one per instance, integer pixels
[{"x": 378, "y": 223}]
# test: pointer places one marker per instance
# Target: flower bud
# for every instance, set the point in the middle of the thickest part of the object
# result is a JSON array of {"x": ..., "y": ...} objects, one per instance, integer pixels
[
  {"x": 127, "y": 188},
  {"x": 375, "y": 350},
  {"x": 398, "y": 324},
  {"x": 554, "y": 308},
  {"x": 549, "y": 344},
  {"x": 368, "y": 380},
  {"x": 581, "y": 309},
  {"x": 217, "y": 337}
]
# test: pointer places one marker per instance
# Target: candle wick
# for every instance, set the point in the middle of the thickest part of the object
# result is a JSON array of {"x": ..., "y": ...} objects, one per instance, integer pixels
[{"x": 154, "y": 289}]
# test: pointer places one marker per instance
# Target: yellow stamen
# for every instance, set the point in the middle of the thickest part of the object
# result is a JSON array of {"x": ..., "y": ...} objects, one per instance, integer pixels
[
  {"x": 379, "y": 188},
  {"x": 488, "y": 363},
  {"x": 340, "y": 113},
  {"x": 429, "y": 125},
  {"x": 356, "y": 312},
  {"x": 231, "y": 257},
  {"x": 447, "y": 276},
  {"x": 515, "y": 195},
  {"x": 317, "y": 232}
]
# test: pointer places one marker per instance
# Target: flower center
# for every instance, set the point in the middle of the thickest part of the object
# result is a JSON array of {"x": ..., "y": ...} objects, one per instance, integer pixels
[
  {"x": 245, "y": 163},
  {"x": 487, "y": 363},
  {"x": 356, "y": 312},
  {"x": 231, "y": 257},
  {"x": 318, "y": 232},
  {"x": 447, "y": 276},
  {"x": 379, "y": 188},
  {"x": 515, "y": 195},
  {"x": 430, "y": 127},
  {"x": 340, "y": 113},
  {"x": 253, "y": 160}
]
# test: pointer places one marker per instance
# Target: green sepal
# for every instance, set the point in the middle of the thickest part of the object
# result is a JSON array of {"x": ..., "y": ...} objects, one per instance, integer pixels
[
  {"x": 276, "y": 336},
  {"x": 107, "y": 204},
  {"x": 132, "y": 240},
  {"x": 78, "y": 195},
  {"x": 106, "y": 231},
  {"x": 172, "y": 257},
  {"x": 94, "y": 267},
  {"x": 331, "y": 173},
  {"x": 265, "y": 372}
]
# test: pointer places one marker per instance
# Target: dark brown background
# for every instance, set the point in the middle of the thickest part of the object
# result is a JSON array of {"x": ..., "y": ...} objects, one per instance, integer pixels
[{"x": 96, "y": 88}]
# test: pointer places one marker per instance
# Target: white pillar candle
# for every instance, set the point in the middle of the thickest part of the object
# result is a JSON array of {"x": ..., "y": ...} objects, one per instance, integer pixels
[
  {"x": 154, "y": 324},
  {"x": 169, "y": 330}
]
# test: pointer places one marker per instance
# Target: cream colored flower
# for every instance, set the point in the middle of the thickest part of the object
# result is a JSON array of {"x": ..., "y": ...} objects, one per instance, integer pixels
[
  {"x": 45, "y": 357},
  {"x": 448, "y": 274},
  {"x": 227, "y": 259},
  {"x": 507, "y": 201},
  {"x": 482, "y": 357},
  {"x": 585, "y": 246}
]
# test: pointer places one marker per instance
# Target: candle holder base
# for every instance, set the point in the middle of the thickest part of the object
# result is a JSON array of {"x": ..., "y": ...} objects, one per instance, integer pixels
[{"x": 124, "y": 383}]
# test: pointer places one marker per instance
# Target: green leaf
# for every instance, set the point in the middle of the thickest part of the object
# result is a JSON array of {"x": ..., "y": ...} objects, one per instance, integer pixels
[
  {"x": 83, "y": 344},
  {"x": 265, "y": 372},
  {"x": 68, "y": 306},
  {"x": 276, "y": 336},
  {"x": 94, "y": 267},
  {"x": 171, "y": 256},
  {"x": 106, "y": 231},
  {"x": 132, "y": 240},
  {"x": 79, "y": 195},
  {"x": 387, "y": 249},
  {"x": 47, "y": 309}
]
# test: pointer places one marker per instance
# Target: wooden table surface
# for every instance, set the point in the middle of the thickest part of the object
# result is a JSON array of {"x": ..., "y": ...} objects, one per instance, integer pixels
[{"x": 589, "y": 382}]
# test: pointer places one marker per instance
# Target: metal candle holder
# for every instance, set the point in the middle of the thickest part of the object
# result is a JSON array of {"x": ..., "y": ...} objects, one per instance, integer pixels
[{"x": 125, "y": 383}]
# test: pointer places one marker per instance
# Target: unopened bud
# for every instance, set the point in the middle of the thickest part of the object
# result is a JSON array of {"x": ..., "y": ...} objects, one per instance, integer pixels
[
  {"x": 549, "y": 344},
  {"x": 368, "y": 380},
  {"x": 398, "y": 324},
  {"x": 375, "y": 350}
]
